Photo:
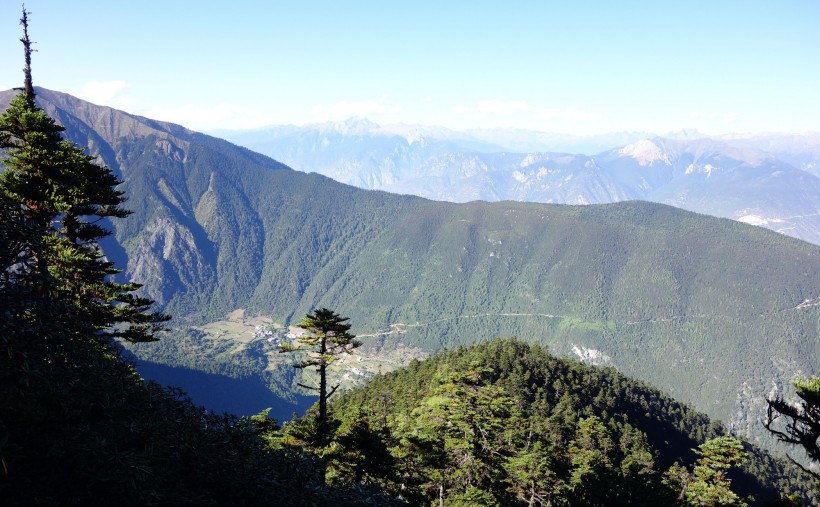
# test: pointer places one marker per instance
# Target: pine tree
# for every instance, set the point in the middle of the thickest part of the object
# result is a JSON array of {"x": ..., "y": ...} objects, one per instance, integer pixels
[
  {"x": 709, "y": 485},
  {"x": 592, "y": 476},
  {"x": 77, "y": 424},
  {"x": 60, "y": 312},
  {"x": 532, "y": 475},
  {"x": 799, "y": 424},
  {"x": 328, "y": 338},
  {"x": 63, "y": 197},
  {"x": 459, "y": 433}
]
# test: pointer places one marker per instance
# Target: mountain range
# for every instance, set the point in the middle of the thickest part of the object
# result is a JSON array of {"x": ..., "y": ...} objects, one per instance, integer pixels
[
  {"x": 767, "y": 180},
  {"x": 718, "y": 313}
]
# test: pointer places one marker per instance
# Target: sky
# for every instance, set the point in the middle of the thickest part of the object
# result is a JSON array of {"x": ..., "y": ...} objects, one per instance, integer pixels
[{"x": 578, "y": 67}]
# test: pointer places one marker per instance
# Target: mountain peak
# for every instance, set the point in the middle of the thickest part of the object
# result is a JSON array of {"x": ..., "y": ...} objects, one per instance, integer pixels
[
  {"x": 354, "y": 125},
  {"x": 645, "y": 152}
]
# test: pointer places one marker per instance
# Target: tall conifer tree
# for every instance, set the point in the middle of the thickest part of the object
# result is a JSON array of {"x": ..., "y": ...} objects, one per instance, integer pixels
[
  {"x": 799, "y": 424},
  {"x": 329, "y": 338},
  {"x": 63, "y": 197}
]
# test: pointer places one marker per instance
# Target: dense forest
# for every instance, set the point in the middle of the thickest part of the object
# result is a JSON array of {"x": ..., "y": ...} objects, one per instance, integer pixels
[
  {"x": 506, "y": 423},
  {"x": 503, "y": 423},
  {"x": 77, "y": 424},
  {"x": 690, "y": 303}
]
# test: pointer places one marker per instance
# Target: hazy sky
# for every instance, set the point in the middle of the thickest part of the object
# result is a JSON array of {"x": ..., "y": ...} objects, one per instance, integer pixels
[{"x": 561, "y": 66}]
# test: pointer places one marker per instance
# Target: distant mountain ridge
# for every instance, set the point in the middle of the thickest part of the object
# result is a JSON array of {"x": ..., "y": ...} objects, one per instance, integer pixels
[
  {"x": 360, "y": 152},
  {"x": 716, "y": 312},
  {"x": 767, "y": 180}
]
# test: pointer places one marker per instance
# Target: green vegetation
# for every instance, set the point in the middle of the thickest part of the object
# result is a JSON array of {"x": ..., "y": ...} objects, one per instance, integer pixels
[
  {"x": 59, "y": 196},
  {"x": 77, "y": 425},
  {"x": 503, "y": 423},
  {"x": 246, "y": 347},
  {"x": 709, "y": 485},
  {"x": 328, "y": 339},
  {"x": 506, "y": 423},
  {"x": 799, "y": 424},
  {"x": 687, "y": 302}
]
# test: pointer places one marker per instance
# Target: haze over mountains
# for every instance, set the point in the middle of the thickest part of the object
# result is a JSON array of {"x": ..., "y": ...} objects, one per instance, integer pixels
[
  {"x": 715, "y": 312},
  {"x": 768, "y": 180}
]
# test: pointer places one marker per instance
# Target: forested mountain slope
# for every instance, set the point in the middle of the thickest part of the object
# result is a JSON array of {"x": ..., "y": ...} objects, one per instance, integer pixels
[
  {"x": 715, "y": 312},
  {"x": 78, "y": 426},
  {"x": 505, "y": 423}
]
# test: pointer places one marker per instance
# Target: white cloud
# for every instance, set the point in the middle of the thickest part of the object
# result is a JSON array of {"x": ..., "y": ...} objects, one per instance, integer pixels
[
  {"x": 567, "y": 113},
  {"x": 463, "y": 109},
  {"x": 346, "y": 109},
  {"x": 485, "y": 108},
  {"x": 503, "y": 106},
  {"x": 107, "y": 93},
  {"x": 710, "y": 115},
  {"x": 727, "y": 117},
  {"x": 718, "y": 122},
  {"x": 522, "y": 108},
  {"x": 730, "y": 117},
  {"x": 523, "y": 114},
  {"x": 117, "y": 94},
  {"x": 217, "y": 116}
]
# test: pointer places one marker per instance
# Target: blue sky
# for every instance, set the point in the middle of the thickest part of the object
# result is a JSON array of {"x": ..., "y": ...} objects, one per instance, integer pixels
[{"x": 581, "y": 67}]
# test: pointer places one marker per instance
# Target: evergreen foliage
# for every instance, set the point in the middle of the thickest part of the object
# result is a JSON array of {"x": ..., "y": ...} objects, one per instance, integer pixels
[
  {"x": 505, "y": 423},
  {"x": 327, "y": 339},
  {"x": 500, "y": 424},
  {"x": 64, "y": 195},
  {"x": 77, "y": 425},
  {"x": 799, "y": 424},
  {"x": 687, "y": 302},
  {"x": 710, "y": 485}
]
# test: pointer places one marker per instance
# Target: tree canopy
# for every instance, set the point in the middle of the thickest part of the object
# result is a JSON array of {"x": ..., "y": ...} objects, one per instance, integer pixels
[
  {"x": 65, "y": 197},
  {"x": 505, "y": 423},
  {"x": 77, "y": 424},
  {"x": 799, "y": 424},
  {"x": 328, "y": 337}
]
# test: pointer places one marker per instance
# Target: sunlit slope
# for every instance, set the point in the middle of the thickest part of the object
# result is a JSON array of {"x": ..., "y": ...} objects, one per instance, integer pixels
[{"x": 715, "y": 312}]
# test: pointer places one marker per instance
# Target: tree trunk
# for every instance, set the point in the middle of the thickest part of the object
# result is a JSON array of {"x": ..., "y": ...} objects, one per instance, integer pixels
[{"x": 323, "y": 397}]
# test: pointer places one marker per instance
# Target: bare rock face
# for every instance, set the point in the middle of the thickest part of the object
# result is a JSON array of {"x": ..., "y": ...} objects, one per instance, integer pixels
[
  {"x": 171, "y": 242},
  {"x": 167, "y": 258}
]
